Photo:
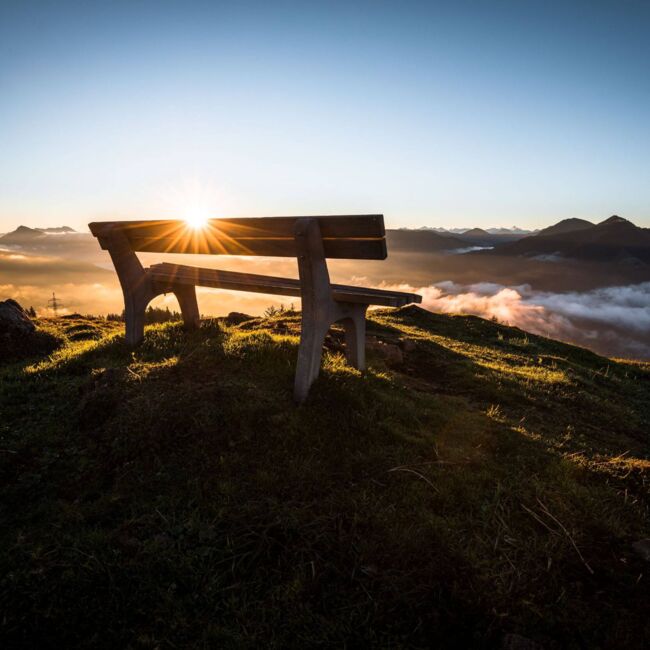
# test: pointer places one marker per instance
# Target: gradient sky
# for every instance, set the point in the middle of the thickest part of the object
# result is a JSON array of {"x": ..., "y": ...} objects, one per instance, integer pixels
[{"x": 441, "y": 114}]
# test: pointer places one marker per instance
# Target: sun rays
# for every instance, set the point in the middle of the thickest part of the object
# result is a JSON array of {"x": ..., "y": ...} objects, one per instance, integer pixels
[{"x": 196, "y": 218}]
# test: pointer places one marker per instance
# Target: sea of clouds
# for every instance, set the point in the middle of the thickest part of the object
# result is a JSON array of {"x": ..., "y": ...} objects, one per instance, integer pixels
[{"x": 613, "y": 320}]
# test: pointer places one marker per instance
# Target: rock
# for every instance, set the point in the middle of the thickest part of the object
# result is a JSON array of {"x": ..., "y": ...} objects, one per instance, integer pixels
[
  {"x": 642, "y": 549},
  {"x": 14, "y": 320},
  {"x": 391, "y": 352},
  {"x": 407, "y": 345},
  {"x": 14, "y": 303},
  {"x": 518, "y": 642},
  {"x": 235, "y": 317}
]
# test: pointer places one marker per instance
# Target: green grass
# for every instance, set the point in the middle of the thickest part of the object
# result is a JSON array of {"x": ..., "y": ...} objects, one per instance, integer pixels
[{"x": 172, "y": 496}]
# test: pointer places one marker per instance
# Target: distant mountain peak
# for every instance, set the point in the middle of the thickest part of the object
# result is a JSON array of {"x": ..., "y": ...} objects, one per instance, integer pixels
[
  {"x": 565, "y": 226},
  {"x": 614, "y": 219},
  {"x": 613, "y": 240},
  {"x": 476, "y": 232},
  {"x": 23, "y": 235},
  {"x": 26, "y": 229},
  {"x": 513, "y": 230},
  {"x": 58, "y": 229}
]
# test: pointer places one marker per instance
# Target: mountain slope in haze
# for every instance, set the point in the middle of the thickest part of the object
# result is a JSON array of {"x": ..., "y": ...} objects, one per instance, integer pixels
[
  {"x": 564, "y": 226},
  {"x": 421, "y": 241},
  {"x": 477, "y": 236},
  {"x": 614, "y": 240},
  {"x": 481, "y": 237},
  {"x": 21, "y": 235},
  {"x": 482, "y": 482},
  {"x": 24, "y": 234},
  {"x": 430, "y": 241},
  {"x": 61, "y": 242},
  {"x": 514, "y": 230},
  {"x": 476, "y": 232}
]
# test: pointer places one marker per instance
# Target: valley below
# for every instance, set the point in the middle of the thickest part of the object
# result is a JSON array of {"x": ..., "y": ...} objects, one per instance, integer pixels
[{"x": 584, "y": 283}]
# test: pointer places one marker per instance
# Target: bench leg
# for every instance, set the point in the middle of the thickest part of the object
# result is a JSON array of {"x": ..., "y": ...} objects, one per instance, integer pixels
[
  {"x": 135, "y": 305},
  {"x": 186, "y": 297},
  {"x": 355, "y": 336},
  {"x": 136, "y": 284},
  {"x": 310, "y": 352}
]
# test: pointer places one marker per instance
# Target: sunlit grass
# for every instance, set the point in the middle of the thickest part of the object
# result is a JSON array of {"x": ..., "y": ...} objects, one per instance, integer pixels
[
  {"x": 532, "y": 372},
  {"x": 63, "y": 356}
]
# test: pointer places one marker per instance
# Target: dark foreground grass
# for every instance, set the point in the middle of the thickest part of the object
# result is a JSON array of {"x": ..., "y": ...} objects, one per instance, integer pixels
[{"x": 173, "y": 497}]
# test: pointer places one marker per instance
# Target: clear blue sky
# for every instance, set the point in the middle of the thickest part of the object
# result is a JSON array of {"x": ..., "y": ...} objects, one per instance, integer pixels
[{"x": 456, "y": 114}]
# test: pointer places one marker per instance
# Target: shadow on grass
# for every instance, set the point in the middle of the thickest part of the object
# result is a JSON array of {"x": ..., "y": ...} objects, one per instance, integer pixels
[
  {"x": 181, "y": 498},
  {"x": 190, "y": 467}
]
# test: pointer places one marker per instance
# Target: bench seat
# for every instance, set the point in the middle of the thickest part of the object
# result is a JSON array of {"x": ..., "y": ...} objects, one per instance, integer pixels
[{"x": 168, "y": 275}]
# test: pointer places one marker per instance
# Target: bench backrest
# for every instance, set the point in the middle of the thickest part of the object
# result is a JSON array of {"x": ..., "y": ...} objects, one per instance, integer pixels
[{"x": 344, "y": 237}]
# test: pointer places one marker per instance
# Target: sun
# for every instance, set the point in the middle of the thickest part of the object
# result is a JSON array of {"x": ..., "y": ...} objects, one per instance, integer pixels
[{"x": 196, "y": 218}]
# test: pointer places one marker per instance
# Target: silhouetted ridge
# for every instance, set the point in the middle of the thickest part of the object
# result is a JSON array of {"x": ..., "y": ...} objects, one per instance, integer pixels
[
  {"x": 421, "y": 241},
  {"x": 615, "y": 239},
  {"x": 25, "y": 233},
  {"x": 564, "y": 226},
  {"x": 476, "y": 232},
  {"x": 615, "y": 219}
]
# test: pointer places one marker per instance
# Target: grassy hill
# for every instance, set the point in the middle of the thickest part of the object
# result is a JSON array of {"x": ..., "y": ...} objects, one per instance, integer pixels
[{"x": 488, "y": 483}]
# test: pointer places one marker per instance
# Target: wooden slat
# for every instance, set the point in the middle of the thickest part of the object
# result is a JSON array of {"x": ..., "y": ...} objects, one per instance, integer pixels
[
  {"x": 345, "y": 293},
  {"x": 366, "y": 226},
  {"x": 205, "y": 244},
  {"x": 176, "y": 273},
  {"x": 181, "y": 274},
  {"x": 358, "y": 295}
]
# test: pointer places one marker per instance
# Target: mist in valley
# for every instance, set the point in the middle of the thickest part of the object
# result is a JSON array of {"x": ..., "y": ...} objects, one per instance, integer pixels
[{"x": 602, "y": 306}]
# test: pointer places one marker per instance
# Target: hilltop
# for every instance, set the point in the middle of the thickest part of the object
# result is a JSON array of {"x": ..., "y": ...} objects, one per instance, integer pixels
[{"x": 476, "y": 482}]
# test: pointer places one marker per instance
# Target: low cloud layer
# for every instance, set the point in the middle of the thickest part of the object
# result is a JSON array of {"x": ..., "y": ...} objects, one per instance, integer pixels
[{"x": 614, "y": 320}]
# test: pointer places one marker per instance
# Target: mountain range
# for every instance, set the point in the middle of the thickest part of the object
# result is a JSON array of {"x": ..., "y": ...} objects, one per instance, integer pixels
[
  {"x": 613, "y": 240},
  {"x": 23, "y": 234},
  {"x": 481, "y": 237},
  {"x": 514, "y": 230}
]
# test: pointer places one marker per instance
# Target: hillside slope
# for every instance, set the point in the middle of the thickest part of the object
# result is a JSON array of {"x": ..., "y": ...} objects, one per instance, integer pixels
[{"x": 488, "y": 483}]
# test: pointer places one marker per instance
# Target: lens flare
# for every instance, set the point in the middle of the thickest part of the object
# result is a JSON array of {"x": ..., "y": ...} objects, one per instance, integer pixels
[{"x": 196, "y": 218}]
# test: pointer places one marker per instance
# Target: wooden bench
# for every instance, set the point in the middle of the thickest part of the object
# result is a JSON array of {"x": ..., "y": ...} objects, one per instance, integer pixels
[{"x": 310, "y": 239}]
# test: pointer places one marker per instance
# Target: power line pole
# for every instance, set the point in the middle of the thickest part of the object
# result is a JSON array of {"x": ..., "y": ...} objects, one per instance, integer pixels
[{"x": 54, "y": 304}]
